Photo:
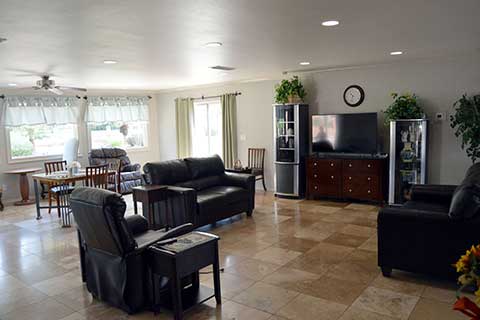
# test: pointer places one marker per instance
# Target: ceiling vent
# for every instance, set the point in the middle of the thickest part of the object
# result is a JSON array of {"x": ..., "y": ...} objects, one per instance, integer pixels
[
  {"x": 223, "y": 68},
  {"x": 3, "y": 40}
]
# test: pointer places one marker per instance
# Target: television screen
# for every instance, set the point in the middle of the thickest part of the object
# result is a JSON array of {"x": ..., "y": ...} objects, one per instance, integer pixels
[{"x": 349, "y": 132}]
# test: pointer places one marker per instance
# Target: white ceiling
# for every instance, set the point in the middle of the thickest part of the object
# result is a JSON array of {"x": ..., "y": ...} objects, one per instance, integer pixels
[{"x": 159, "y": 43}]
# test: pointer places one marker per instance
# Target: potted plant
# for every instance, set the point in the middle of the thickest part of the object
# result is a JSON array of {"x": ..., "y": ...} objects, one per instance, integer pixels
[
  {"x": 404, "y": 106},
  {"x": 290, "y": 91},
  {"x": 466, "y": 123}
]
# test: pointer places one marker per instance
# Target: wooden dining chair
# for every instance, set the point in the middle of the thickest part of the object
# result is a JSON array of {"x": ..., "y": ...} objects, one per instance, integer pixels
[
  {"x": 52, "y": 167},
  {"x": 114, "y": 180},
  {"x": 97, "y": 176},
  {"x": 256, "y": 162}
]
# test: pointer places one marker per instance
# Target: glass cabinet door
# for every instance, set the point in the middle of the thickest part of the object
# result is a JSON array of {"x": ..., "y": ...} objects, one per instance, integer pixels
[
  {"x": 285, "y": 133},
  {"x": 410, "y": 157}
]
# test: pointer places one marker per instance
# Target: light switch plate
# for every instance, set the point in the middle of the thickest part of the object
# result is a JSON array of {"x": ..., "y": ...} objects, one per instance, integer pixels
[{"x": 243, "y": 137}]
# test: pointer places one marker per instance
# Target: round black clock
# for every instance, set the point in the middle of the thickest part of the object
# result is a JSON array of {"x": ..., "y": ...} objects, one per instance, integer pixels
[{"x": 354, "y": 96}]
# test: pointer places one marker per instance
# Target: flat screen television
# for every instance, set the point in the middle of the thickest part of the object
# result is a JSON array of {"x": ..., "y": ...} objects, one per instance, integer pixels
[{"x": 345, "y": 133}]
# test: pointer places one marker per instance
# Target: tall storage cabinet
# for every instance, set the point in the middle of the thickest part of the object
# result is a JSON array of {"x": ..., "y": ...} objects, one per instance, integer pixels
[
  {"x": 291, "y": 135},
  {"x": 408, "y": 157}
]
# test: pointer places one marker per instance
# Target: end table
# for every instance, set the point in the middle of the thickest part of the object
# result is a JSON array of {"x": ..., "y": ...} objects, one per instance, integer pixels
[
  {"x": 148, "y": 195},
  {"x": 24, "y": 187}
]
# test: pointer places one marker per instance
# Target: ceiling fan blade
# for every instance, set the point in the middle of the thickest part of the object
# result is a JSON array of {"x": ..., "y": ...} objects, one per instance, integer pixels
[
  {"x": 56, "y": 91},
  {"x": 71, "y": 88}
]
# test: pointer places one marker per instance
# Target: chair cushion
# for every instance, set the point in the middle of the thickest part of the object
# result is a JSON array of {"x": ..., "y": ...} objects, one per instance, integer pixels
[
  {"x": 202, "y": 183},
  {"x": 204, "y": 167},
  {"x": 212, "y": 199},
  {"x": 133, "y": 175},
  {"x": 232, "y": 194},
  {"x": 166, "y": 172}
]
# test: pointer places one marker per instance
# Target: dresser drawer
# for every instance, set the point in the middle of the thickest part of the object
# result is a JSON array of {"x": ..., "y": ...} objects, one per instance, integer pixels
[
  {"x": 325, "y": 166},
  {"x": 361, "y": 187},
  {"x": 325, "y": 185},
  {"x": 363, "y": 166}
]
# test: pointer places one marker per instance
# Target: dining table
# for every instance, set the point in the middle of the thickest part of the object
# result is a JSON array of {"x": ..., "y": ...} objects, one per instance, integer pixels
[{"x": 63, "y": 180}]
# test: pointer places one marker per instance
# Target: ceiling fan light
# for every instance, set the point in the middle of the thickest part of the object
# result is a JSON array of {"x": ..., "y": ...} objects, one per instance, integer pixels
[
  {"x": 110, "y": 61},
  {"x": 12, "y": 84}
]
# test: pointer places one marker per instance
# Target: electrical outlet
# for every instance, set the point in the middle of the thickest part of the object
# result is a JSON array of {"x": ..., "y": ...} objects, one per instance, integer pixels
[{"x": 440, "y": 116}]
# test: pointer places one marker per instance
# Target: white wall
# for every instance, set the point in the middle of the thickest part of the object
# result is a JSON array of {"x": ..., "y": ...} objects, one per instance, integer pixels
[
  {"x": 438, "y": 83},
  {"x": 11, "y": 181}
]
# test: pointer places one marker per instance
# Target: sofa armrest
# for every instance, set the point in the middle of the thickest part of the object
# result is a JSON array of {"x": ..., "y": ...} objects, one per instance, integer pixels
[
  {"x": 433, "y": 193},
  {"x": 242, "y": 180},
  {"x": 137, "y": 224},
  {"x": 130, "y": 167}
]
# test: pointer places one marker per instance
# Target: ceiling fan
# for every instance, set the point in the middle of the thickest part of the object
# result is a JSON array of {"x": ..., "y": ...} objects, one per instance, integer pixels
[{"x": 49, "y": 85}]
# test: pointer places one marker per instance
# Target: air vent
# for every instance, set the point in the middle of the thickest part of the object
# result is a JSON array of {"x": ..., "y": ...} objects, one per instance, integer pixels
[
  {"x": 223, "y": 68},
  {"x": 3, "y": 40}
]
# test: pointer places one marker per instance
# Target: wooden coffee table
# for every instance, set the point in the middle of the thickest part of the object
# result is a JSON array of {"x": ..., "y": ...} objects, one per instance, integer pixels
[{"x": 24, "y": 187}]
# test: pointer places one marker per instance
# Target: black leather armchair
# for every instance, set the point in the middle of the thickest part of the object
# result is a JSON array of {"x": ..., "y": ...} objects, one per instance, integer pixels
[
  {"x": 201, "y": 192},
  {"x": 430, "y": 232},
  {"x": 113, "y": 248}
]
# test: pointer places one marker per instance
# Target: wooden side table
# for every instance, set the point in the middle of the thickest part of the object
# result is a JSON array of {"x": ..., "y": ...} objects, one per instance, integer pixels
[
  {"x": 149, "y": 195},
  {"x": 24, "y": 187},
  {"x": 185, "y": 256}
]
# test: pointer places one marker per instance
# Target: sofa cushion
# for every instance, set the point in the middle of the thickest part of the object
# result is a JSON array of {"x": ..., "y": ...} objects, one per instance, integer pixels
[
  {"x": 437, "y": 207},
  {"x": 465, "y": 202},
  {"x": 166, "y": 172},
  {"x": 210, "y": 201},
  {"x": 202, "y": 183},
  {"x": 204, "y": 167},
  {"x": 232, "y": 194}
]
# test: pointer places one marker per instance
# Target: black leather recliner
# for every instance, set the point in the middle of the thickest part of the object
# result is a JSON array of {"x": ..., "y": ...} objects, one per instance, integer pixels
[
  {"x": 113, "y": 251},
  {"x": 430, "y": 232},
  {"x": 201, "y": 192}
]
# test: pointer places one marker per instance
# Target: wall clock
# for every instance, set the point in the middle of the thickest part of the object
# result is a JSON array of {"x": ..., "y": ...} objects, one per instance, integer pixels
[{"x": 354, "y": 96}]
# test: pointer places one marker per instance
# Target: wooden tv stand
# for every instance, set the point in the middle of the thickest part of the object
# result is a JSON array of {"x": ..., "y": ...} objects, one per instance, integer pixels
[{"x": 347, "y": 177}]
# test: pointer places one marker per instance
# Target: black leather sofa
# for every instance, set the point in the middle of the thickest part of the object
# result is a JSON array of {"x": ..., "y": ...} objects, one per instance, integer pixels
[
  {"x": 430, "y": 232},
  {"x": 200, "y": 191},
  {"x": 113, "y": 249}
]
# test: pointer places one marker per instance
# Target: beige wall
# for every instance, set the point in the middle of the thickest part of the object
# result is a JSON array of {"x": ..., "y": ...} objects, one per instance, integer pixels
[
  {"x": 10, "y": 182},
  {"x": 438, "y": 83}
]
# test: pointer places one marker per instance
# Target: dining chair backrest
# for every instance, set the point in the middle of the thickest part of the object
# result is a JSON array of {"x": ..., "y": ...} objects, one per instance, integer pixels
[
  {"x": 70, "y": 150},
  {"x": 256, "y": 158},
  {"x": 55, "y": 166},
  {"x": 97, "y": 176}
]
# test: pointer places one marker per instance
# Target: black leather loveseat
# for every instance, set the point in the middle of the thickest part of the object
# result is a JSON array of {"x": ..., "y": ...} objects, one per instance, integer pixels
[
  {"x": 201, "y": 192},
  {"x": 430, "y": 232}
]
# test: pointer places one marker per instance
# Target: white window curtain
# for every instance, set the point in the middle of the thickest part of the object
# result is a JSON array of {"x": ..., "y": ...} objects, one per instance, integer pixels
[
  {"x": 35, "y": 110},
  {"x": 103, "y": 109}
]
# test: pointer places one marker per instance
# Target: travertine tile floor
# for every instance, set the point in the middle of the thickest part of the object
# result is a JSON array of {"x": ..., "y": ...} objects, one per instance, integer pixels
[{"x": 291, "y": 260}]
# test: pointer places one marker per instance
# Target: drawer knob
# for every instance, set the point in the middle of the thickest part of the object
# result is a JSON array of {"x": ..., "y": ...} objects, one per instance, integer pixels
[
  {"x": 332, "y": 177},
  {"x": 331, "y": 164},
  {"x": 314, "y": 175},
  {"x": 369, "y": 165},
  {"x": 369, "y": 178},
  {"x": 349, "y": 178},
  {"x": 369, "y": 191},
  {"x": 314, "y": 164},
  {"x": 350, "y": 165},
  {"x": 349, "y": 190},
  {"x": 315, "y": 187}
]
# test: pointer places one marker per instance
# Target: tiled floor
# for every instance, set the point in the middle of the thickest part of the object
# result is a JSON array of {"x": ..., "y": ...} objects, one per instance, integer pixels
[{"x": 291, "y": 260}]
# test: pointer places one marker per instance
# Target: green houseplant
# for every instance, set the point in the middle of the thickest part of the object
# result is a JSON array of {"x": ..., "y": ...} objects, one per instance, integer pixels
[
  {"x": 466, "y": 123},
  {"x": 404, "y": 106},
  {"x": 290, "y": 91}
]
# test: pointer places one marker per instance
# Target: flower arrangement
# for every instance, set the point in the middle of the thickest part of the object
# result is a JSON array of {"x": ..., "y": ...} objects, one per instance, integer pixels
[
  {"x": 73, "y": 167},
  {"x": 469, "y": 267}
]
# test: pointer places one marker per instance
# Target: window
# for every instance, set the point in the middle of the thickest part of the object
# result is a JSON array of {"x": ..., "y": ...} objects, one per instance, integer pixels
[
  {"x": 39, "y": 140},
  {"x": 125, "y": 135},
  {"x": 207, "y": 128}
]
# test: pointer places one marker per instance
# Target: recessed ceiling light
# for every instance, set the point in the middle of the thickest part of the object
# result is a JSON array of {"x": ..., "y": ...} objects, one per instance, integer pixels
[
  {"x": 304, "y": 63},
  {"x": 212, "y": 44},
  {"x": 110, "y": 61},
  {"x": 330, "y": 23},
  {"x": 12, "y": 84},
  {"x": 396, "y": 53}
]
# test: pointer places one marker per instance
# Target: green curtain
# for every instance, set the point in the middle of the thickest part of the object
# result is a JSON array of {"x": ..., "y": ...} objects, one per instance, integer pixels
[
  {"x": 184, "y": 121},
  {"x": 229, "y": 129}
]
